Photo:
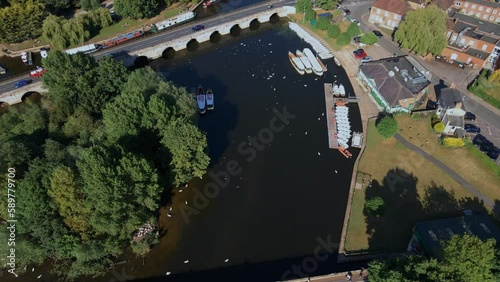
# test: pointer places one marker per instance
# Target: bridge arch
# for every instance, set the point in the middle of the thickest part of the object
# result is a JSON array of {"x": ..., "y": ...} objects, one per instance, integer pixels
[
  {"x": 4, "y": 104},
  {"x": 274, "y": 18},
  {"x": 30, "y": 94},
  {"x": 168, "y": 53},
  {"x": 235, "y": 30},
  {"x": 141, "y": 61},
  {"x": 254, "y": 24},
  {"x": 215, "y": 37},
  {"x": 192, "y": 45}
]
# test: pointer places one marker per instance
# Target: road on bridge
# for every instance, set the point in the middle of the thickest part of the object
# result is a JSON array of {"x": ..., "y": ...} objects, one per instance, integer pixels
[{"x": 171, "y": 34}]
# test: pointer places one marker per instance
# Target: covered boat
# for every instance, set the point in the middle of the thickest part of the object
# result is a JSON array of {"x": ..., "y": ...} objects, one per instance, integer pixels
[
  {"x": 210, "y": 100},
  {"x": 296, "y": 63},
  {"x": 305, "y": 61},
  {"x": 201, "y": 100}
]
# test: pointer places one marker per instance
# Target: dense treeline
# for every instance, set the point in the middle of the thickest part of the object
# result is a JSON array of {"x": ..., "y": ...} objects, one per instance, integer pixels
[
  {"x": 92, "y": 159},
  {"x": 21, "y": 21}
]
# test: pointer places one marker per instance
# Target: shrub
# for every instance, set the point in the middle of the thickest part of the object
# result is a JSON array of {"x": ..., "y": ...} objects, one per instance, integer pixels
[
  {"x": 453, "y": 142},
  {"x": 323, "y": 23},
  {"x": 343, "y": 39},
  {"x": 439, "y": 127},
  {"x": 369, "y": 39},
  {"x": 353, "y": 30},
  {"x": 310, "y": 15},
  {"x": 387, "y": 126},
  {"x": 334, "y": 31},
  {"x": 374, "y": 206}
]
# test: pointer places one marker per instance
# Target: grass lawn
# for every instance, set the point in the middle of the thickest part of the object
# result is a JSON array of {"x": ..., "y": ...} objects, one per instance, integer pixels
[
  {"x": 486, "y": 91},
  {"x": 412, "y": 188},
  {"x": 461, "y": 160},
  {"x": 25, "y": 45}
]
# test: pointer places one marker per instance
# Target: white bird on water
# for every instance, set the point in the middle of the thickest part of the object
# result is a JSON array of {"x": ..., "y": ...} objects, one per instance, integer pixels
[
  {"x": 186, "y": 185},
  {"x": 336, "y": 171},
  {"x": 306, "y": 132},
  {"x": 170, "y": 209},
  {"x": 33, "y": 269},
  {"x": 169, "y": 215},
  {"x": 319, "y": 154},
  {"x": 226, "y": 260},
  {"x": 168, "y": 273},
  {"x": 39, "y": 276},
  {"x": 186, "y": 261},
  {"x": 186, "y": 202}
]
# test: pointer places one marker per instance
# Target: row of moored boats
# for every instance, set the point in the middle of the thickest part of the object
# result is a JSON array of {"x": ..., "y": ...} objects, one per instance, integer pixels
[
  {"x": 321, "y": 49},
  {"x": 343, "y": 128},
  {"x": 205, "y": 100},
  {"x": 306, "y": 62}
]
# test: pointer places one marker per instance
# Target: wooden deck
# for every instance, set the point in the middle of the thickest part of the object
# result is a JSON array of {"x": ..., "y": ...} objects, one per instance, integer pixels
[{"x": 330, "y": 117}]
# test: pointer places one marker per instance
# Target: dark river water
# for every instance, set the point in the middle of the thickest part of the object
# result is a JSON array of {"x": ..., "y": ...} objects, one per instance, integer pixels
[{"x": 284, "y": 202}]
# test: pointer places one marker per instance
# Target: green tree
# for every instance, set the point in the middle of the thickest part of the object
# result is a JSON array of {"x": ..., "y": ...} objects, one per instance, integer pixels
[
  {"x": 387, "y": 126},
  {"x": 343, "y": 39},
  {"x": 353, "y": 30},
  {"x": 21, "y": 21},
  {"x": 303, "y": 5},
  {"x": 323, "y": 23},
  {"x": 494, "y": 77},
  {"x": 88, "y": 5},
  {"x": 54, "y": 31},
  {"x": 57, "y": 6},
  {"x": 423, "y": 31},
  {"x": 310, "y": 15},
  {"x": 54, "y": 151},
  {"x": 326, "y": 4},
  {"x": 369, "y": 39},
  {"x": 375, "y": 206},
  {"x": 334, "y": 31},
  {"x": 136, "y": 9}
]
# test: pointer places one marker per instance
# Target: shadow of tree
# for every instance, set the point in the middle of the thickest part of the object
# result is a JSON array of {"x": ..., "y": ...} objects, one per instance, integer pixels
[{"x": 404, "y": 205}]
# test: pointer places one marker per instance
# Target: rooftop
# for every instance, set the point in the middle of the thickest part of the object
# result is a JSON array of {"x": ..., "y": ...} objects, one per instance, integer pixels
[
  {"x": 430, "y": 233},
  {"x": 485, "y": 3},
  {"x": 477, "y": 53},
  {"x": 443, "y": 4},
  {"x": 483, "y": 26},
  {"x": 399, "y": 7},
  {"x": 396, "y": 78},
  {"x": 449, "y": 97}
]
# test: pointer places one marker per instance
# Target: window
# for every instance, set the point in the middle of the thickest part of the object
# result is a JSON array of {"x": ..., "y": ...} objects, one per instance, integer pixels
[
  {"x": 480, "y": 8},
  {"x": 478, "y": 15},
  {"x": 484, "y": 47},
  {"x": 466, "y": 5},
  {"x": 485, "y": 16},
  {"x": 492, "y": 18},
  {"x": 471, "y": 43},
  {"x": 386, "y": 13},
  {"x": 473, "y": 6},
  {"x": 494, "y": 11},
  {"x": 453, "y": 38},
  {"x": 471, "y": 12},
  {"x": 396, "y": 16},
  {"x": 488, "y": 10},
  {"x": 462, "y": 41},
  {"x": 378, "y": 11},
  {"x": 458, "y": 4}
]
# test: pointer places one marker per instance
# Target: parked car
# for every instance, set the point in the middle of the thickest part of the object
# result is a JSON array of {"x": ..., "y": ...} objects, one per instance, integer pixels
[
  {"x": 470, "y": 116},
  {"x": 357, "y": 39},
  {"x": 479, "y": 140},
  {"x": 493, "y": 153},
  {"x": 347, "y": 12},
  {"x": 378, "y": 33},
  {"x": 358, "y": 51},
  {"x": 360, "y": 55},
  {"x": 198, "y": 28},
  {"x": 487, "y": 145},
  {"x": 366, "y": 59},
  {"x": 21, "y": 83},
  {"x": 472, "y": 128}
]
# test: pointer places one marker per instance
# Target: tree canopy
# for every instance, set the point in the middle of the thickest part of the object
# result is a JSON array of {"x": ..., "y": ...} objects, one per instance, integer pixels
[
  {"x": 353, "y": 30},
  {"x": 334, "y": 31},
  {"x": 303, "y": 5},
  {"x": 21, "y": 21},
  {"x": 343, "y": 39},
  {"x": 136, "y": 9},
  {"x": 368, "y": 38},
  {"x": 423, "y": 31},
  {"x": 387, "y": 126}
]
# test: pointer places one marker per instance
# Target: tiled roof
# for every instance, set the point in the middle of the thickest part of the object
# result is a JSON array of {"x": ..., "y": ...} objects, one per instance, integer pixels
[
  {"x": 399, "y": 7},
  {"x": 449, "y": 97},
  {"x": 483, "y": 26},
  {"x": 477, "y": 53},
  {"x": 485, "y": 3},
  {"x": 443, "y": 4}
]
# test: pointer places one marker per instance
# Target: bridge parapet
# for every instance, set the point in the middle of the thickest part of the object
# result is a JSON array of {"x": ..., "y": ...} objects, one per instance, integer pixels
[{"x": 16, "y": 95}]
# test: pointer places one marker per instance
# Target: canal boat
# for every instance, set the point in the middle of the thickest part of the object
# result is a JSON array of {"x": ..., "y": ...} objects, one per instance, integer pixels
[
  {"x": 210, "y": 100},
  {"x": 174, "y": 21},
  {"x": 210, "y": 3},
  {"x": 30, "y": 59},
  {"x": 305, "y": 61},
  {"x": 201, "y": 100},
  {"x": 341, "y": 90},
  {"x": 296, "y": 63},
  {"x": 87, "y": 49},
  {"x": 38, "y": 72},
  {"x": 316, "y": 67},
  {"x": 123, "y": 38},
  {"x": 24, "y": 57}
]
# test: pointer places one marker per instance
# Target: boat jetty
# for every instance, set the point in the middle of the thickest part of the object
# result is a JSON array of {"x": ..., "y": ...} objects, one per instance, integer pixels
[{"x": 322, "y": 51}]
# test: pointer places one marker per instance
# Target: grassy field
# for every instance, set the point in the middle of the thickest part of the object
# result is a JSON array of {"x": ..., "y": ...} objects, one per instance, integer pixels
[
  {"x": 486, "y": 91},
  {"x": 461, "y": 160},
  {"x": 40, "y": 41},
  {"x": 413, "y": 189}
]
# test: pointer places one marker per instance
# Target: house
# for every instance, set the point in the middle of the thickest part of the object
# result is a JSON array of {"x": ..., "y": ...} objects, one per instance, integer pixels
[
  {"x": 472, "y": 41},
  {"x": 416, "y": 4},
  {"x": 453, "y": 119},
  {"x": 481, "y": 9},
  {"x": 449, "y": 98},
  {"x": 444, "y": 4},
  {"x": 388, "y": 13},
  {"x": 397, "y": 84},
  {"x": 430, "y": 234}
]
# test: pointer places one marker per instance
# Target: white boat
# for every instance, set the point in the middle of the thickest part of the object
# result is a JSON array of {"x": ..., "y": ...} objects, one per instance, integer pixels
[
  {"x": 341, "y": 90},
  {"x": 336, "y": 90},
  {"x": 337, "y": 62},
  {"x": 175, "y": 20},
  {"x": 316, "y": 67},
  {"x": 296, "y": 63},
  {"x": 201, "y": 99},
  {"x": 24, "y": 57},
  {"x": 210, "y": 100},
  {"x": 305, "y": 61}
]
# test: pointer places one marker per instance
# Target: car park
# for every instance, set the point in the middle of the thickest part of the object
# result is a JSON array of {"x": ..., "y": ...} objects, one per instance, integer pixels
[
  {"x": 366, "y": 59},
  {"x": 470, "y": 116},
  {"x": 21, "y": 83},
  {"x": 378, "y": 33},
  {"x": 479, "y": 139},
  {"x": 493, "y": 153},
  {"x": 487, "y": 145},
  {"x": 198, "y": 28},
  {"x": 360, "y": 55},
  {"x": 472, "y": 128}
]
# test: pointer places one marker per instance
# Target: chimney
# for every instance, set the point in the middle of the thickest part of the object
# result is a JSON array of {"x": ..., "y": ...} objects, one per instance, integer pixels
[{"x": 458, "y": 105}]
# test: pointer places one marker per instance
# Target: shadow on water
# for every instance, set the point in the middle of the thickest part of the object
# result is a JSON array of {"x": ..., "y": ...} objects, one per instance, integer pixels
[{"x": 403, "y": 207}]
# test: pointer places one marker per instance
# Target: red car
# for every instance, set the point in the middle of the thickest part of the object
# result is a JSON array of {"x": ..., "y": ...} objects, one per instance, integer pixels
[{"x": 360, "y": 55}]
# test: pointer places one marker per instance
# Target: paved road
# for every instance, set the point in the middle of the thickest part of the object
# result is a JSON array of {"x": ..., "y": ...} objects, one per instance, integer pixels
[
  {"x": 170, "y": 35},
  {"x": 473, "y": 190}
]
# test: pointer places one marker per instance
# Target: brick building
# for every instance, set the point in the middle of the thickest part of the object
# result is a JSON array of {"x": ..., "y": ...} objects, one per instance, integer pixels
[
  {"x": 484, "y": 10},
  {"x": 388, "y": 13}
]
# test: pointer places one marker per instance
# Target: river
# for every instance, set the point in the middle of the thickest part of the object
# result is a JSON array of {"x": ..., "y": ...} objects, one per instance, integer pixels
[{"x": 286, "y": 199}]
